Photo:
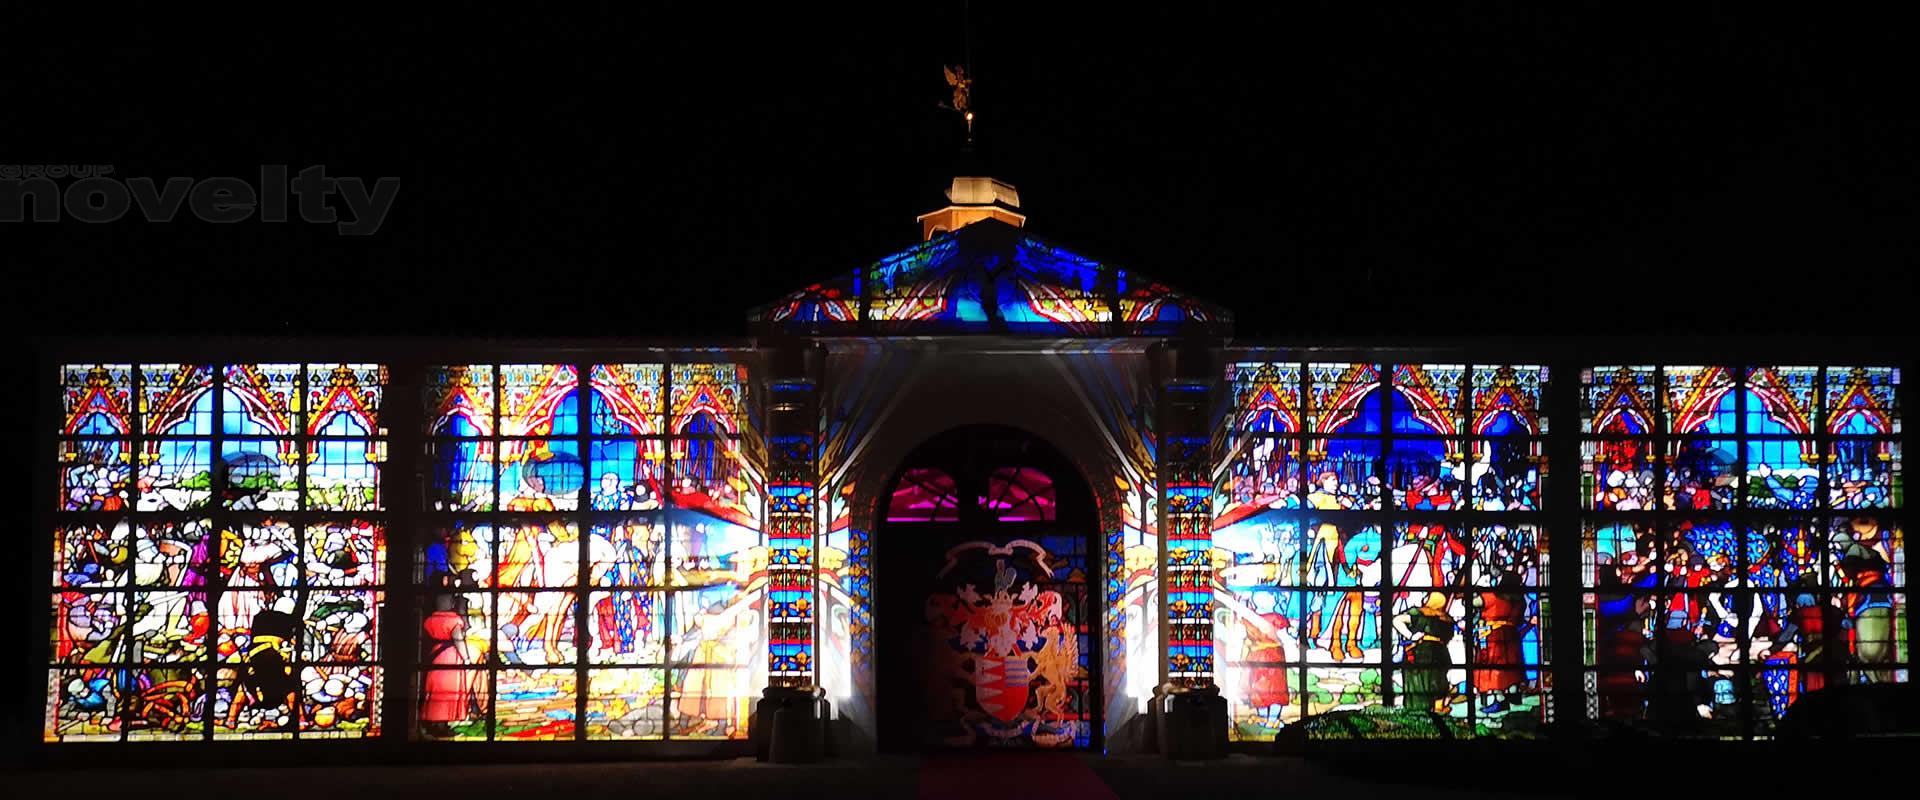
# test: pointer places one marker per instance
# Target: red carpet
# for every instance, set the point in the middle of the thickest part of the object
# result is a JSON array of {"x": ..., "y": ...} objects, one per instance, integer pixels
[{"x": 992, "y": 776}]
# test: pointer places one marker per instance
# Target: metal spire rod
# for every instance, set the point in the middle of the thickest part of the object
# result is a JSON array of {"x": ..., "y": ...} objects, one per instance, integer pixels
[
  {"x": 966, "y": 52},
  {"x": 961, "y": 77}
]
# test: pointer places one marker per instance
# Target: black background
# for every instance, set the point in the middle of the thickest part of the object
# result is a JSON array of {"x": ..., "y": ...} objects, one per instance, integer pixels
[{"x": 1460, "y": 168}]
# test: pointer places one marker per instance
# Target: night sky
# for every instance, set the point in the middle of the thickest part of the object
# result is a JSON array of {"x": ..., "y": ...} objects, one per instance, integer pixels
[{"x": 1324, "y": 171}]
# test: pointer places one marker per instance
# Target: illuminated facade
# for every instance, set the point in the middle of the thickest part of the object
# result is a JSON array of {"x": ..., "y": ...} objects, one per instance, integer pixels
[{"x": 1047, "y": 485}]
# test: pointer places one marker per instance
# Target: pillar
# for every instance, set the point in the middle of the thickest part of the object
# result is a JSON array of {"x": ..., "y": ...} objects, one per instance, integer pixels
[
  {"x": 1188, "y": 376},
  {"x": 792, "y": 476}
]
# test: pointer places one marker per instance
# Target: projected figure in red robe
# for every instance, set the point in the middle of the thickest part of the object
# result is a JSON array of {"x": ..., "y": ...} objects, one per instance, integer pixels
[
  {"x": 1501, "y": 620},
  {"x": 448, "y": 696}
]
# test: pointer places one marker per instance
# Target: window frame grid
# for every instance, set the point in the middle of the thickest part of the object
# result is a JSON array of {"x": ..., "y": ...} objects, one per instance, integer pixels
[
  {"x": 216, "y": 516},
  {"x": 584, "y": 518},
  {"x": 1389, "y": 513},
  {"x": 1745, "y": 519}
]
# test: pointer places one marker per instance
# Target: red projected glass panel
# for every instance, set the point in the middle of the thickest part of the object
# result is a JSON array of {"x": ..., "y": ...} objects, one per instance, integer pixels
[
  {"x": 1019, "y": 494},
  {"x": 924, "y": 495}
]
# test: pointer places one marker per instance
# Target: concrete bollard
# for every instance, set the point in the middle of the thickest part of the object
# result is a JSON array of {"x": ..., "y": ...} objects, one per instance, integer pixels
[
  {"x": 1193, "y": 723},
  {"x": 761, "y": 725},
  {"x": 795, "y": 737}
]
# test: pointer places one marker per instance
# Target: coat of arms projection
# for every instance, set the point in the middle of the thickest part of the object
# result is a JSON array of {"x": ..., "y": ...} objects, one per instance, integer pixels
[
  {"x": 1738, "y": 547},
  {"x": 1006, "y": 644},
  {"x": 995, "y": 608},
  {"x": 596, "y": 568},
  {"x": 1380, "y": 570},
  {"x": 219, "y": 553}
]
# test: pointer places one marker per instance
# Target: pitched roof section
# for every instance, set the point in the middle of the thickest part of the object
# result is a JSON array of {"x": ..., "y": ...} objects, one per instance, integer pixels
[{"x": 991, "y": 278}]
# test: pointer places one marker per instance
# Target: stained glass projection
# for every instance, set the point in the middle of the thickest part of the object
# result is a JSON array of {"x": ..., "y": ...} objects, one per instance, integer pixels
[
  {"x": 626, "y": 455},
  {"x": 343, "y": 460},
  {"x": 1618, "y": 403},
  {"x": 709, "y": 417},
  {"x": 1354, "y": 596},
  {"x": 177, "y": 427},
  {"x": 1776, "y": 574},
  {"x": 1019, "y": 494},
  {"x": 461, "y": 409},
  {"x": 279, "y": 620},
  {"x": 219, "y": 567},
  {"x": 96, "y": 456},
  {"x": 1263, "y": 451},
  {"x": 616, "y": 596},
  {"x": 924, "y": 494},
  {"x": 1008, "y": 621},
  {"x": 1506, "y": 454},
  {"x": 990, "y": 279},
  {"x": 260, "y": 409}
]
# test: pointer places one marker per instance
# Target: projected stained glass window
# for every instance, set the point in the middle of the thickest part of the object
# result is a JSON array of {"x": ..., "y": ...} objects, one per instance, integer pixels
[
  {"x": 598, "y": 570},
  {"x": 1776, "y": 568},
  {"x": 1358, "y": 593},
  {"x": 1019, "y": 494},
  {"x": 988, "y": 278},
  {"x": 219, "y": 553},
  {"x": 924, "y": 494}
]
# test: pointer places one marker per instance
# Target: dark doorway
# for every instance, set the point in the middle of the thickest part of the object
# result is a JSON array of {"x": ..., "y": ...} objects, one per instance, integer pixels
[{"x": 986, "y": 594}]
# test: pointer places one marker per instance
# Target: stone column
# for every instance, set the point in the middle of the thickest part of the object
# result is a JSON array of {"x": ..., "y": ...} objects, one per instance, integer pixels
[
  {"x": 1188, "y": 377},
  {"x": 792, "y": 478},
  {"x": 1191, "y": 717},
  {"x": 789, "y": 722}
]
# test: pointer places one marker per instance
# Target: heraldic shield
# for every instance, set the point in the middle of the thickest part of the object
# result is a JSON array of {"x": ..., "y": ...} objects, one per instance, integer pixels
[{"x": 1005, "y": 645}]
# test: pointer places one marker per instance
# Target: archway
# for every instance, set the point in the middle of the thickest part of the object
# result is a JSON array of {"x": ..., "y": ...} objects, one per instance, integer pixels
[{"x": 987, "y": 597}]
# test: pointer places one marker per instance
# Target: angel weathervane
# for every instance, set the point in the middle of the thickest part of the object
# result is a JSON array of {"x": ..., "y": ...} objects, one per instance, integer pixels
[{"x": 962, "y": 95}]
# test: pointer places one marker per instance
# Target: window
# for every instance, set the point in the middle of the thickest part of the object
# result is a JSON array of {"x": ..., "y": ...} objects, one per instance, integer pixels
[
  {"x": 219, "y": 553},
  {"x": 1380, "y": 568},
  {"x": 1737, "y": 549},
  {"x": 1019, "y": 494},
  {"x": 924, "y": 494},
  {"x": 598, "y": 570}
]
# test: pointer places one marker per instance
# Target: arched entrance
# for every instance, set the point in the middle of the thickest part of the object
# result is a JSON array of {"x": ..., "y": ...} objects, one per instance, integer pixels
[{"x": 986, "y": 596}]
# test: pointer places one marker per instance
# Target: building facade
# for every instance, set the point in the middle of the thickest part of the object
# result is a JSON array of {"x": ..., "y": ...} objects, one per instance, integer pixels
[{"x": 983, "y": 492}]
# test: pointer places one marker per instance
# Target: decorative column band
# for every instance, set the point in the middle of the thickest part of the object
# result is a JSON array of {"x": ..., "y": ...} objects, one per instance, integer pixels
[
  {"x": 1189, "y": 569},
  {"x": 790, "y": 534}
]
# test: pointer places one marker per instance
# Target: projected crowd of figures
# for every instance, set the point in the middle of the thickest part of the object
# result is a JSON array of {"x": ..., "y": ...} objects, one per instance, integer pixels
[
  {"x": 219, "y": 555},
  {"x": 599, "y": 571},
  {"x": 1740, "y": 549},
  {"x": 590, "y": 562},
  {"x": 1351, "y": 595}
]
